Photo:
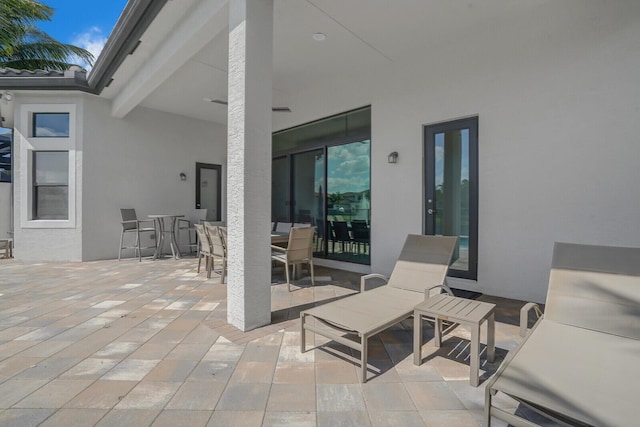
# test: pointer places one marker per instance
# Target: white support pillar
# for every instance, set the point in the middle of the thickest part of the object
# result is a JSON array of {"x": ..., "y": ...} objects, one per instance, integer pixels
[{"x": 249, "y": 163}]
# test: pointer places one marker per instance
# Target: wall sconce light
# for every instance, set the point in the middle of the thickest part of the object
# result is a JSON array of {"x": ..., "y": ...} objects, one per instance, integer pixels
[
  {"x": 183, "y": 176},
  {"x": 393, "y": 157}
]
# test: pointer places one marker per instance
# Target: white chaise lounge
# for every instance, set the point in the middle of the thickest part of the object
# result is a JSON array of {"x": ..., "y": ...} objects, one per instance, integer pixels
[
  {"x": 422, "y": 265},
  {"x": 580, "y": 364}
]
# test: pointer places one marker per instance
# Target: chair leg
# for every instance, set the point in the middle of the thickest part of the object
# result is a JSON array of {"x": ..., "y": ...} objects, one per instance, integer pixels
[
  {"x": 224, "y": 270},
  {"x": 286, "y": 270},
  {"x": 121, "y": 242},
  {"x": 138, "y": 245},
  {"x": 313, "y": 283},
  {"x": 199, "y": 261},
  {"x": 209, "y": 262}
]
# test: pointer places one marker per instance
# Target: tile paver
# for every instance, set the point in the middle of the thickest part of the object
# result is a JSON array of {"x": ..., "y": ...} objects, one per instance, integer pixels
[{"x": 138, "y": 344}]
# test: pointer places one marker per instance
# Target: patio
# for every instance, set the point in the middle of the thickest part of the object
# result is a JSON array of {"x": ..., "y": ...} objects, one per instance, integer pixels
[{"x": 112, "y": 343}]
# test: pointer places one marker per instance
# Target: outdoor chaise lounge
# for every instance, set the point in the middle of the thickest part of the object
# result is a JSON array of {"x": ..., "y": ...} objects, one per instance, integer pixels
[
  {"x": 580, "y": 364},
  {"x": 422, "y": 265}
]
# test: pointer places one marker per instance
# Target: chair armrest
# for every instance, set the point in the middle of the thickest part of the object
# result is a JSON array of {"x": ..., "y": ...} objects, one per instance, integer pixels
[
  {"x": 363, "y": 280},
  {"x": 279, "y": 248},
  {"x": 443, "y": 286},
  {"x": 524, "y": 316},
  {"x": 137, "y": 222},
  {"x": 185, "y": 221}
]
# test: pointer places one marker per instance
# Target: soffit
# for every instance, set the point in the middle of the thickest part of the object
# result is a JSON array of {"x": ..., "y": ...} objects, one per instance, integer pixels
[{"x": 363, "y": 36}]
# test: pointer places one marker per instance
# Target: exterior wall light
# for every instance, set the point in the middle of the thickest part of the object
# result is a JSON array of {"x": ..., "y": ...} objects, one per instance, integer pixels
[
  {"x": 183, "y": 176},
  {"x": 393, "y": 157}
]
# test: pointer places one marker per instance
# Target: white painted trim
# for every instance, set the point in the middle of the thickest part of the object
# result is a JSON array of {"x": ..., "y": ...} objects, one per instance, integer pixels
[{"x": 28, "y": 144}]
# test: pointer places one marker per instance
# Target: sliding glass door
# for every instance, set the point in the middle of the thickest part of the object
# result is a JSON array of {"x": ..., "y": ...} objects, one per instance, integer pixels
[{"x": 321, "y": 176}]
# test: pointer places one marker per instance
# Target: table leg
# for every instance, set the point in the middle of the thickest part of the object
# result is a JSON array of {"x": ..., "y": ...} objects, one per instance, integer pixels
[
  {"x": 159, "y": 236},
  {"x": 363, "y": 357},
  {"x": 303, "y": 337},
  {"x": 475, "y": 354},
  {"x": 175, "y": 250},
  {"x": 438, "y": 332},
  {"x": 417, "y": 338},
  {"x": 491, "y": 338}
]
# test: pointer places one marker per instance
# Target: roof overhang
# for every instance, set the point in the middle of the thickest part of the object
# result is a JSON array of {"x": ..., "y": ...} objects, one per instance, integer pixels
[{"x": 134, "y": 20}]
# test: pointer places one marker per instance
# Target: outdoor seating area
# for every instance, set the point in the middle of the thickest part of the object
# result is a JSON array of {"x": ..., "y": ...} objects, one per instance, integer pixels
[{"x": 112, "y": 344}]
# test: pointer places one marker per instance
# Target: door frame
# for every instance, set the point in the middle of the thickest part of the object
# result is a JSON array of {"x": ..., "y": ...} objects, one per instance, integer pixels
[
  {"x": 429, "y": 132},
  {"x": 218, "y": 168}
]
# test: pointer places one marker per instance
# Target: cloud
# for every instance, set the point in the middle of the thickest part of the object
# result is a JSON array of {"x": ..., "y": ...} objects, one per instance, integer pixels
[{"x": 92, "y": 40}]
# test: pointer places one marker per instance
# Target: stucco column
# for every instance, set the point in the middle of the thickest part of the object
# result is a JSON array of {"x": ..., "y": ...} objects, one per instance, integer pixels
[{"x": 249, "y": 163}]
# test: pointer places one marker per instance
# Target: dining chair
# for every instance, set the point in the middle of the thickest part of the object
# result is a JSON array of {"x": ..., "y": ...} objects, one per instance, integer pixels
[
  {"x": 188, "y": 226},
  {"x": 283, "y": 227},
  {"x": 299, "y": 251},
  {"x": 132, "y": 225},
  {"x": 204, "y": 248},
  {"x": 360, "y": 234},
  {"x": 217, "y": 237},
  {"x": 341, "y": 234}
]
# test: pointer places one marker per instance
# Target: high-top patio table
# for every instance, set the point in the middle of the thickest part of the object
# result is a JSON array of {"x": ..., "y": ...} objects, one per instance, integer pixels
[
  {"x": 160, "y": 226},
  {"x": 458, "y": 310}
]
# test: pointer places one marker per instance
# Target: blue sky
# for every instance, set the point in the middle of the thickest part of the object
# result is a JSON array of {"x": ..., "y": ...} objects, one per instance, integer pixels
[{"x": 83, "y": 23}]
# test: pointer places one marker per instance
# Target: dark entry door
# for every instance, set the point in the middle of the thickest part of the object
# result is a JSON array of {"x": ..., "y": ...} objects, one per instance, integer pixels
[
  {"x": 209, "y": 189},
  {"x": 451, "y": 189}
]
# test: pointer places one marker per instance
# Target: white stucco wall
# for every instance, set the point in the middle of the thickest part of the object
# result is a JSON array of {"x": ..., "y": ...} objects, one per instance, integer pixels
[
  {"x": 47, "y": 240},
  {"x": 135, "y": 162},
  {"x": 557, "y": 98}
]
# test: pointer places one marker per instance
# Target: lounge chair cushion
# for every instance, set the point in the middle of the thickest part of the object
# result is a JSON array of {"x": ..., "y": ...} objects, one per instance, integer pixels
[
  {"x": 370, "y": 311},
  {"x": 543, "y": 373}
]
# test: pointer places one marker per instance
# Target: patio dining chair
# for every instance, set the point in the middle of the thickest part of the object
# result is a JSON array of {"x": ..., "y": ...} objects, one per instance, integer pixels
[
  {"x": 360, "y": 234},
  {"x": 299, "y": 251},
  {"x": 188, "y": 226},
  {"x": 340, "y": 233},
  {"x": 132, "y": 225},
  {"x": 217, "y": 237},
  {"x": 204, "y": 249},
  {"x": 283, "y": 227}
]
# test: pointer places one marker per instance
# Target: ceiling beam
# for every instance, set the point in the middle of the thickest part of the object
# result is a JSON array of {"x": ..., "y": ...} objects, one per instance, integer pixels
[{"x": 208, "y": 19}]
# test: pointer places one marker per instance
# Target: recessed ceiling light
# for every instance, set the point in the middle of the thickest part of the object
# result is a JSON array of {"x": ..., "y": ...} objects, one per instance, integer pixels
[{"x": 319, "y": 37}]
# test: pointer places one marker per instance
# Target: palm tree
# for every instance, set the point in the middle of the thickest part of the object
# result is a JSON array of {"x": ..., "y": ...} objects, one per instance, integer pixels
[{"x": 24, "y": 46}]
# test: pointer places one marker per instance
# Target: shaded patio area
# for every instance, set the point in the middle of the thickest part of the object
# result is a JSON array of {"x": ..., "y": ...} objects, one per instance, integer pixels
[{"x": 113, "y": 343}]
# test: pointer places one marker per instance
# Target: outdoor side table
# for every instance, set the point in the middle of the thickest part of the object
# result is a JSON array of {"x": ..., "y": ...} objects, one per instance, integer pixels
[{"x": 464, "y": 311}]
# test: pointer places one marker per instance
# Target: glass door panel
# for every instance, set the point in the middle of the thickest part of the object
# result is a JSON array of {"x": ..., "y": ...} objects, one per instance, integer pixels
[
  {"x": 451, "y": 189},
  {"x": 307, "y": 206},
  {"x": 209, "y": 190},
  {"x": 280, "y": 190},
  {"x": 348, "y": 202}
]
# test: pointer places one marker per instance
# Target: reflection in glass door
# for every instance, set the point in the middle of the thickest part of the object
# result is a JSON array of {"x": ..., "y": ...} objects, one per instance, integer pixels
[
  {"x": 451, "y": 187},
  {"x": 280, "y": 190},
  {"x": 307, "y": 205},
  {"x": 348, "y": 202}
]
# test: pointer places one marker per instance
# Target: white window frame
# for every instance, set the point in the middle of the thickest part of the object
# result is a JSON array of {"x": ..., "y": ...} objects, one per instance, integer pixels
[{"x": 29, "y": 144}]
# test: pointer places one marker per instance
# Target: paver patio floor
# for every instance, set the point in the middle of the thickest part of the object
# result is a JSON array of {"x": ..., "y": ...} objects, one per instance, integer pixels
[{"x": 126, "y": 343}]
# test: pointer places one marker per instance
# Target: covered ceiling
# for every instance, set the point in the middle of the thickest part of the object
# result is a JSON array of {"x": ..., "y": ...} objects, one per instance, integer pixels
[{"x": 361, "y": 35}]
